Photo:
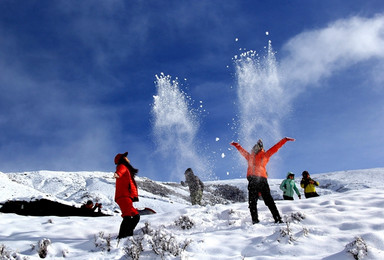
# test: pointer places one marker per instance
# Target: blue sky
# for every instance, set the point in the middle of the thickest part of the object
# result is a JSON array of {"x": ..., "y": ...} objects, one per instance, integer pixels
[{"x": 78, "y": 80}]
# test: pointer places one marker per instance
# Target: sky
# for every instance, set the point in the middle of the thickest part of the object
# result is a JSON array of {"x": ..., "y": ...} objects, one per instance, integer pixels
[{"x": 81, "y": 81}]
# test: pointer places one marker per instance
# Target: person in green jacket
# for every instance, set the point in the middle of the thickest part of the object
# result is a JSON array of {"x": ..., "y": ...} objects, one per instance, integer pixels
[
  {"x": 288, "y": 186},
  {"x": 309, "y": 185}
]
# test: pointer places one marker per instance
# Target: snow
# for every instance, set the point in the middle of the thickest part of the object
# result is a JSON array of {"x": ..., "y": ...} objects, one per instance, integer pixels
[{"x": 347, "y": 216}]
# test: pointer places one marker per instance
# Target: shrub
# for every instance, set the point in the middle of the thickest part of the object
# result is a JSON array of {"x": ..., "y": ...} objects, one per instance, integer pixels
[
  {"x": 184, "y": 222},
  {"x": 7, "y": 253},
  {"x": 134, "y": 247},
  {"x": 103, "y": 242},
  {"x": 160, "y": 241},
  {"x": 42, "y": 247},
  {"x": 287, "y": 232},
  {"x": 358, "y": 248}
]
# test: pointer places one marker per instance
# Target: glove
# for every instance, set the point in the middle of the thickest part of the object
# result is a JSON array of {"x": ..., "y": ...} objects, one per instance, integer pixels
[
  {"x": 289, "y": 139},
  {"x": 135, "y": 199},
  {"x": 234, "y": 144}
]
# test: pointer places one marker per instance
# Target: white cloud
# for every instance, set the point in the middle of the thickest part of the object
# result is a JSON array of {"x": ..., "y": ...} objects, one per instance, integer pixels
[{"x": 318, "y": 54}]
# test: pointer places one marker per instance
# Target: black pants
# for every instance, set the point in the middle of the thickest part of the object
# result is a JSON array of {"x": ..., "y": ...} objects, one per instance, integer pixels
[
  {"x": 260, "y": 185},
  {"x": 128, "y": 225},
  {"x": 311, "y": 195},
  {"x": 287, "y": 197}
]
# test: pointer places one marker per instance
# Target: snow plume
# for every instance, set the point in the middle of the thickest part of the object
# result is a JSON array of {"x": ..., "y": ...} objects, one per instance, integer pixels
[
  {"x": 266, "y": 89},
  {"x": 175, "y": 127},
  {"x": 314, "y": 55},
  {"x": 260, "y": 97}
]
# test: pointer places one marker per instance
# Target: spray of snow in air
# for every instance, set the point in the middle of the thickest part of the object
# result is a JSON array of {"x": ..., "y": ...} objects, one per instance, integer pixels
[
  {"x": 260, "y": 97},
  {"x": 175, "y": 127}
]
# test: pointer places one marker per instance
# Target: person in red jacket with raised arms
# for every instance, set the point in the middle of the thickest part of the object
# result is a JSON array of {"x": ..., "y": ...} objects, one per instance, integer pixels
[
  {"x": 257, "y": 177},
  {"x": 125, "y": 194}
]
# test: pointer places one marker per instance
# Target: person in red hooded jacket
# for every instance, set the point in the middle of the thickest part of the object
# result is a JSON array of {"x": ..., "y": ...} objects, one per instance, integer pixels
[
  {"x": 125, "y": 194},
  {"x": 257, "y": 177}
]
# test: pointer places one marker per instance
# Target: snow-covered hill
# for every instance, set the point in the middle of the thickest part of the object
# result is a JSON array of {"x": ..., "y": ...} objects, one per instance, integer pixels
[{"x": 348, "y": 216}]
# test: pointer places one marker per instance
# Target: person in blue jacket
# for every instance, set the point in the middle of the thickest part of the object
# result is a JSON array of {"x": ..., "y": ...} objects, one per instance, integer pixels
[{"x": 288, "y": 186}]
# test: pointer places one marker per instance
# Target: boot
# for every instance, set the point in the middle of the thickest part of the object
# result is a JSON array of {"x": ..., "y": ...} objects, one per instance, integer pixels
[
  {"x": 254, "y": 216},
  {"x": 278, "y": 219},
  {"x": 255, "y": 221}
]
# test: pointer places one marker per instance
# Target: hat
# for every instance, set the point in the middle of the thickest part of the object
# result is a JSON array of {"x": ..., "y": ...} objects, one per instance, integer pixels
[
  {"x": 305, "y": 173},
  {"x": 119, "y": 156},
  {"x": 290, "y": 174},
  {"x": 258, "y": 146}
]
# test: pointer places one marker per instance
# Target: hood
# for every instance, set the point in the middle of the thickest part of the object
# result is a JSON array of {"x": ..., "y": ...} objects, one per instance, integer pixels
[{"x": 290, "y": 173}]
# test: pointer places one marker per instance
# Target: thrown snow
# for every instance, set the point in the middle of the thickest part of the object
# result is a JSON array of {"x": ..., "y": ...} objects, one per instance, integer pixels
[{"x": 349, "y": 207}]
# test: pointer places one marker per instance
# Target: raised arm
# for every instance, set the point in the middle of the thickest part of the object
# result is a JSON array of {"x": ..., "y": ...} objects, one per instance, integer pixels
[
  {"x": 242, "y": 151},
  {"x": 277, "y": 146}
]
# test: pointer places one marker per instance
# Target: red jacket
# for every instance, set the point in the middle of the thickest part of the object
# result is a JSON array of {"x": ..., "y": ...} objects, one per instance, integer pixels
[
  {"x": 125, "y": 184},
  {"x": 257, "y": 162}
]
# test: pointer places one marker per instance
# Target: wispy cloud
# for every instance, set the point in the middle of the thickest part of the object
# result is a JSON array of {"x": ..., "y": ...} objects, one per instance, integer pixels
[{"x": 318, "y": 54}]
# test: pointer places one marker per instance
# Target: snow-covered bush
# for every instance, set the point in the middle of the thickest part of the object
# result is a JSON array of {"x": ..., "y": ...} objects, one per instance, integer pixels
[
  {"x": 296, "y": 217},
  {"x": 146, "y": 229},
  {"x": 42, "y": 247},
  {"x": 184, "y": 222},
  {"x": 160, "y": 241},
  {"x": 358, "y": 248},
  {"x": 134, "y": 247},
  {"x": 287, "y": 231},
  {"x": 7, "y": 253},
  {"x": 103, "y": 242}
]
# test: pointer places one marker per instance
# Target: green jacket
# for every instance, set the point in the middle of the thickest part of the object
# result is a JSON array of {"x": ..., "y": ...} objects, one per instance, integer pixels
[{"x": 288, "y": 186}]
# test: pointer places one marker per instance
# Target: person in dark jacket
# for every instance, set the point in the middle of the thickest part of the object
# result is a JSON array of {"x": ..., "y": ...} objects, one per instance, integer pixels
[
  {"x": 309, "y": 185},
  {"x": 90, "y": 208},
  {"x": 196, "y": 186},
  {"x": 125, "y": 194},
  {"x": 257, "y": 177}
]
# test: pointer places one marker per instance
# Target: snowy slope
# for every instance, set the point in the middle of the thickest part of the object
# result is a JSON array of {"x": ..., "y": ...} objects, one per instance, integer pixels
[{"x": 350, "y": 206}]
